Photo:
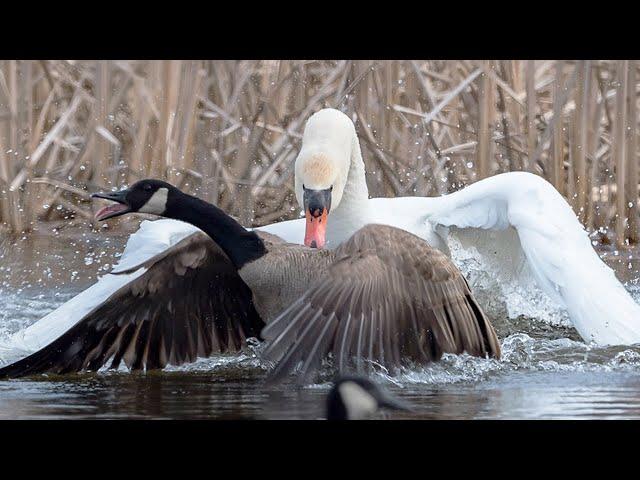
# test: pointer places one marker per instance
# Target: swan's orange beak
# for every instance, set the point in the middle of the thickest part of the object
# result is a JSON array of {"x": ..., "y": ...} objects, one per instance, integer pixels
[
  {"x": 316, "y": 229},
  {"x": 317, "y": 204}
]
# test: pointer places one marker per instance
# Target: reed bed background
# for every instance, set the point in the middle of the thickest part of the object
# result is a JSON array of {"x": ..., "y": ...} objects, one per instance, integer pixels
[{"x": 230, "y": 131}]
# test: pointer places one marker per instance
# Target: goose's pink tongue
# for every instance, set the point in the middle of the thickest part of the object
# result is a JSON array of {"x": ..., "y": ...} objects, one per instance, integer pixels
[{"x": 109, "y": 209}]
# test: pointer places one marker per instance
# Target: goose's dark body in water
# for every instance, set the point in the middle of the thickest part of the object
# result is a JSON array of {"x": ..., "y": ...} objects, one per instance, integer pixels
[
  {"x": 358, "y": 398},
  {"x": 384, "y": 295}
]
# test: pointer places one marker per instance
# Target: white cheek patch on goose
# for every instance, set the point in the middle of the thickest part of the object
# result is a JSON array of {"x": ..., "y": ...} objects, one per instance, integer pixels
[
  {"x": 358, "y": 402},
  {"x": 157, "y": 204}
]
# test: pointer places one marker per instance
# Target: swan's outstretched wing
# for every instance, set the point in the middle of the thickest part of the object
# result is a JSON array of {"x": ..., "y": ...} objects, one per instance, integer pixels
[
  {"x": 388, "y": 297},
  {"x": 556, "y": 246},
  {"x": 291, "y": 231},
  {"x": 177, "y": 297}
]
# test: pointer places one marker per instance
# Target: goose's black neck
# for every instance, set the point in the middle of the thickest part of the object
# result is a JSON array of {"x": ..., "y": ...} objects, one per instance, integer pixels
[{"x": 241, "y": 245}]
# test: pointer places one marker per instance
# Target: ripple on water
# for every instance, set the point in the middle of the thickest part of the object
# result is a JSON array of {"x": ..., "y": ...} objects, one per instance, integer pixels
[{"x": 521, "y": 351}]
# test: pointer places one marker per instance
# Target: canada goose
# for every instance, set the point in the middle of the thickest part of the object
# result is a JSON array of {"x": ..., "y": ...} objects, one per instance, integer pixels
[
  {"x": 383, "y": 296},
  {"x": 358, "y": 398},
  {"x": 528, "y": 218}
]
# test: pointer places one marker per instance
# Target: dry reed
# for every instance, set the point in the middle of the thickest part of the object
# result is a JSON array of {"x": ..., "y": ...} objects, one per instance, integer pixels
[{"x": 230, "y": 130}]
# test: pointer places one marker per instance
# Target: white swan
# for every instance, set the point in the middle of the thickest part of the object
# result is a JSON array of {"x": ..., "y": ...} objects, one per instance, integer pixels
[{"x": 526, "y": 216}]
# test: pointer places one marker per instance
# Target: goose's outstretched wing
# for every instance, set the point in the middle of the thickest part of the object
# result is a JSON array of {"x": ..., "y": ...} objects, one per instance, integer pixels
[
  {"x": 176, "y": 297},
  {"x": 388, "y": 297},
  {"x": 556, "y": 246}
]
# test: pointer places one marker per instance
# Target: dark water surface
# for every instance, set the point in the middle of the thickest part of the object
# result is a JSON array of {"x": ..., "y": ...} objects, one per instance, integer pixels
[{"x": 545, "y": 372}]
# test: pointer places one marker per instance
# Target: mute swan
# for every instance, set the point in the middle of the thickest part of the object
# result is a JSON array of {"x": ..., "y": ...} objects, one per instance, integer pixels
[
  {"x": 384, "y": 295},
  {"x": 330, "y": 183}
]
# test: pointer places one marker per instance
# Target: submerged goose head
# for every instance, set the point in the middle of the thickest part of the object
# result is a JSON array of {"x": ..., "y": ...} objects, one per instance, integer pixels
[
  {"x": 146, "y": 196},
  {"x": 357, "y": 398},
  {"x": 324, "y": 168}
]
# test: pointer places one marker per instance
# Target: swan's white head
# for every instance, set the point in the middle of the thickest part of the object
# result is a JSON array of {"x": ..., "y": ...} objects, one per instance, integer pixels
[{"x": 322, "y": 168}]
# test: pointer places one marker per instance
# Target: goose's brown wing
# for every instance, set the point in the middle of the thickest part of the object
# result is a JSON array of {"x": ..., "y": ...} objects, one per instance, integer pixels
[
  {"x": 189, "y": 303},
  {"x": 388, "y": 297}
]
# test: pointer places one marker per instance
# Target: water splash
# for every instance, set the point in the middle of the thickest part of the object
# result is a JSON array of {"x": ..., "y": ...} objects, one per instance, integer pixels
[
  {"x": 502, "y": 281},
  {"x": 521, "y": 351}
]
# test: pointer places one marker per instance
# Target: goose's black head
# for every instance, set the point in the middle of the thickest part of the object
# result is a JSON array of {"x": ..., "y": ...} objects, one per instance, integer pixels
[
  {"x": 163, "y": 199},
  {"x": 145, "y": 196},
  {"x": 356, "y": 398}
]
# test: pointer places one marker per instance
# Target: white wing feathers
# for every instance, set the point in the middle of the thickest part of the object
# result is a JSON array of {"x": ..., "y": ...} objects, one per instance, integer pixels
[
  {"x": 557, "y": 248},
  {"x": 151, "y": 239}
]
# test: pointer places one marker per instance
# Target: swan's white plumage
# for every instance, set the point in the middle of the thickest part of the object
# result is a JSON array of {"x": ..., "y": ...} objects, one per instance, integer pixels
[
  {"x": 557, "y": 249},
  {"x": 152, "y": 238},
  {"x": 291, "y": 231},
  {"x": 556, "y": 246}
]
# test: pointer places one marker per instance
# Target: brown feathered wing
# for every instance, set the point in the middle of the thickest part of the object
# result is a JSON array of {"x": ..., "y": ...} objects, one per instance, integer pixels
[
  {"x": 189, "y": 303},
  {"x": 388, "y": 297}
]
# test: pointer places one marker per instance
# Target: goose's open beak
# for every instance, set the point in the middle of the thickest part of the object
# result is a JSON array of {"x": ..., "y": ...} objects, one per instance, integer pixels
[
  {"x": 317, "y": 204},
  {"x": 119, "y": 208}
]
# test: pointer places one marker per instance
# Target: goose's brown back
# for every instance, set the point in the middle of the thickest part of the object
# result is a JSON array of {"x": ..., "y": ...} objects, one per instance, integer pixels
[
  {"x": 387, "y": 297},
  {"x": 284, "y": 274}
]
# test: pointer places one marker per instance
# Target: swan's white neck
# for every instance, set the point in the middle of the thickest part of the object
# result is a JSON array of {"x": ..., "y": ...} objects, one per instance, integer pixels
[{"x": 353, "y": 209}]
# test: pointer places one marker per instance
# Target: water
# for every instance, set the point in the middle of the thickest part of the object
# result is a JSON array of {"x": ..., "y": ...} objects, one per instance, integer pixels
[{"x": 545, "y": 371}]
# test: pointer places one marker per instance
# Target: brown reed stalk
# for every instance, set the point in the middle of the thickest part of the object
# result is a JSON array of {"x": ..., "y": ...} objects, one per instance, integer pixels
[
  {"x": 618, "y": 149},
  {"x": 631, "y": 146},
  {"x": 531, "y": 112},
  {"x": 230, "y": 130},
  {"x": 580, "y": 137},
  {"x": 557, "y": 163}
]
